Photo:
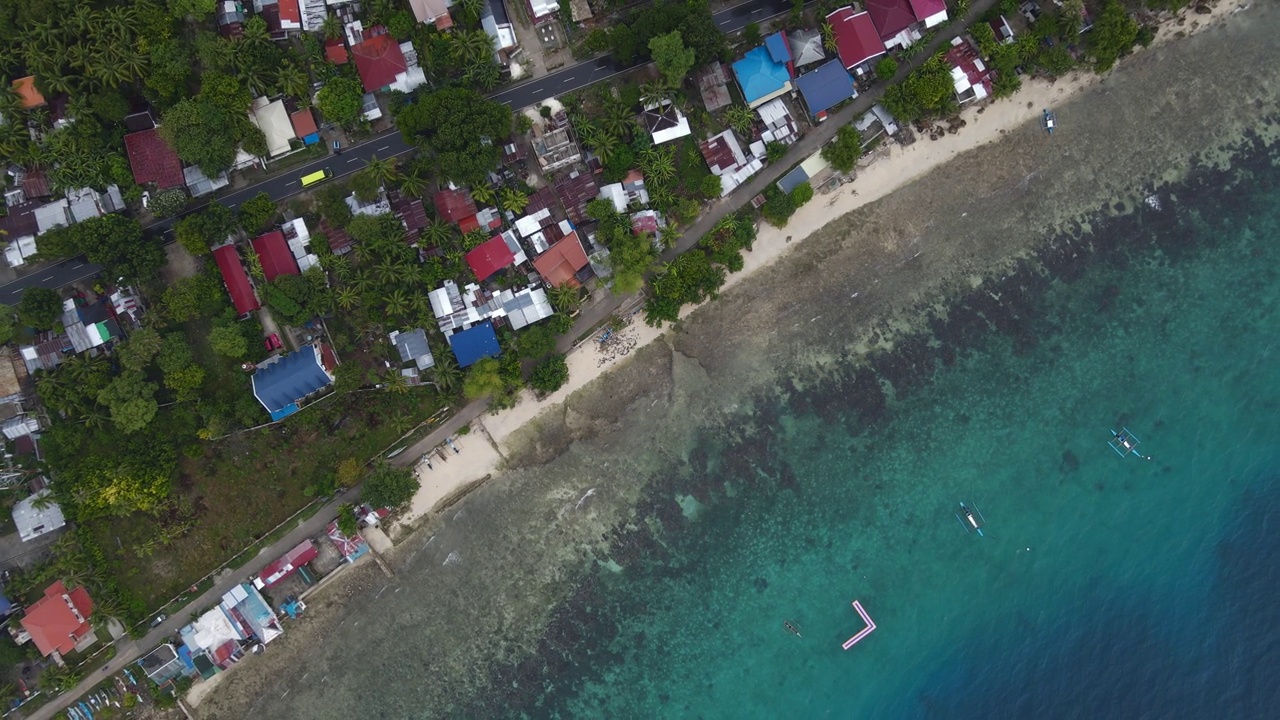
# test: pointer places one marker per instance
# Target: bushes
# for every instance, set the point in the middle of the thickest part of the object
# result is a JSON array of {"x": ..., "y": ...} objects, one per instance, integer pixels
[
  {"x": 698, "y": 274},
  {"x": 40, "y": 308},
  {"x": 887, "y": 68},
  {"x": 389, "y": 486},
  {"x": 844, "y": 151},
  {"x": 550, "y": 375},
  {"x": 780, "y": 206},
  {"x": 256, "y": 212}
]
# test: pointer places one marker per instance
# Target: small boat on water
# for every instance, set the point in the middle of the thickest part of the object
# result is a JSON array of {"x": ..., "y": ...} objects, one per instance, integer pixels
[
  {"x": 1125, "y": 443},
  {"x": 1049, "y": 121},
  {"x": 971, "y": 518},
  {"x": 791, "y": 628}
]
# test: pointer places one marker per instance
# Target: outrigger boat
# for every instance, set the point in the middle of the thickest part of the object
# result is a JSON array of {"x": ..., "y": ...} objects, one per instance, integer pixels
[
  {"x": 1049, "y": 121},
  {"x": 971, "y": 518},
  {"x": 791, "y": 628},
  {"x": 1125, "y": 443}
]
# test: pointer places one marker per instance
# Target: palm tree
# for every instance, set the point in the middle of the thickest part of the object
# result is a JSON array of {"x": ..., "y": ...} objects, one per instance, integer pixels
[
  {"x": 619, "y": 120},
  {"x": 420, "y": 304},
  {"x": 828, "y": 37},
  {"x": 136, "y": 64},
  {"x": 412, "y": 185},
  {"x": 472, "y": 8},
  {"x": 82, "y": 21},
  {"x": 120, "y": 21},
  {"x": 331, "y": 27},
  {"x": 347, "y": 298},
  {"x": 470, "y": 48},
  {"x": 379, "y": 170},
  {"x": 740, "y": 118},
  {"x": 485, "y": 73},
  {"x": 255, "y": 266},
  {"x": 399, "y": 385},
  {"x": 513, "y": 200},
  {"x": 656, "y": 91},
  {"x": 566, "y": 298},
  {"x": 256, "y": 79},
  {"x": 448, "y": 374},
  {"x": 605, "y": 145},
  {"x": 658, "y": 164},
  {"x": 397, "y": 303},
  {"x": 483, "y": 195},
  {"x": 388, "y": 271},
  {"x": 254, "y": 32},
  {"x": 293, "y": 81},
  {"x": 438, "y": 233}
]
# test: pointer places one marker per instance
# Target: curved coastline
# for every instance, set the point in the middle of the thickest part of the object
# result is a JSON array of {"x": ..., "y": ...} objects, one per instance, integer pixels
[{"x": 875, "y": 274}]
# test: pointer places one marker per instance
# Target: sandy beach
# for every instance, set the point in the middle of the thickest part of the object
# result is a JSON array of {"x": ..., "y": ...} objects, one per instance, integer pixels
[
  {"x": 887, "y": 169},
  {"x": 482, "y": 579}
]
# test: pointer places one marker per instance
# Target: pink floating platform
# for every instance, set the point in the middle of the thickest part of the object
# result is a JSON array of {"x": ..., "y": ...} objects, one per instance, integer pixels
[{"x": 864, "y": 631}]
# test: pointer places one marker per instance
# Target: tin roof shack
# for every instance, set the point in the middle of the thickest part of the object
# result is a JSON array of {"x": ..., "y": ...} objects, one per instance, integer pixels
[
  {"x": 413, "y": 348},
  {"x": 282, "y": 567},
  {"x": 713, "y": 84},
  {"x": 37, "y": 515},
  {"x": 216, "y": 640}
]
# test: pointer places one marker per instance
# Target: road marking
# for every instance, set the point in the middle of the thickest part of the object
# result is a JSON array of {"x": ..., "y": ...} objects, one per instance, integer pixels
[
  {"x": 286, "y": 692},
  {"x": 77, "y": 267},
  {"x": 46, "y": 277},
  {"x": 353, "y": 160},
  {"x": 384, "y": 147},
  {"x": 292, "y": 182}
]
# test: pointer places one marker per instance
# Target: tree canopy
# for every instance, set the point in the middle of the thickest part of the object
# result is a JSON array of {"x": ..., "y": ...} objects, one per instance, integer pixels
[
  {"x": 341, "y": 100},
  {"x": 459, "y": 131},
  {"x": 207, "y": 129},
  {"x": 113, "y": 241},
  {"x": 843, "y": 152},
  {"x": 40, "y": 308},
  {"x": 389, "y": 486},
  {"x": 673, "y": 59},
  {"x": 1113, "y": 35}
]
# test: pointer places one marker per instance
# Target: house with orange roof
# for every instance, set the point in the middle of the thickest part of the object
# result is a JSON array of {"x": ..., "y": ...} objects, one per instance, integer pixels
[
  {"x": 25, "y": 89},
  {"x": 59, "y": 621}
]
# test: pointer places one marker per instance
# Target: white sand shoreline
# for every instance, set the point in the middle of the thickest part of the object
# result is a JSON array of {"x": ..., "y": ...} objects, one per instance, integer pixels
[{"x": 894, "y": 167}]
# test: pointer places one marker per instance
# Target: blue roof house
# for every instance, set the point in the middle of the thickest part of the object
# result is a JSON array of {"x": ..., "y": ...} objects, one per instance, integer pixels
[
  {"x": 764, "y": 73},
  {"x": 289, "y": 380},
  {"x": 475, "y": 344},
  {"x": 826, "y": 87}
]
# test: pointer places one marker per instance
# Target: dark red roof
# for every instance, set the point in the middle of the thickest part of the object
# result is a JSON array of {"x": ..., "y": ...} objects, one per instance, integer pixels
[
  {"x": 891, "y": 16},
  {"x": 454, "y": 205},
  {"x": 236, "y": 278},
  {"x": 469, "y": 223},
  {"x": 152, "y": 159},
  {"x": 561, "y": 262},
  {"x": 644, "y": 224},
  {"x": 410, "y": 210},
  {"x": 489, "y": 257},
  {"x": 339, "y": 240},
  {"x": 336, "y": 51},
  {"x": 275, "y": 255},
  {"x": 287, "y": 564},
  {"x": 925, "y": 9},
  {"x": 719, "y": 154},
  {"x": 21, "y": 221},
  {"x": 966, "y": 59},
  {"x": 378, "y": 60},
  {"x": 541, "y": 199},
  {"x": 304, "y": 122},
  {"x": 856, "y": 38},
  {"x": 575, "y": 192},
  {"x": 290, "y": 11}
]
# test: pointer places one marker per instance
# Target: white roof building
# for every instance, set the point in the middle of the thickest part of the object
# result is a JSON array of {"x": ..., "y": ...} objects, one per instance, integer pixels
[
  {"x": 298, "y": 238},
  {"x": 33, "y": 522},
  {"x": 665, "y": 122},
  {"x": 458, "y": 310},
  {"x": 727, "y": 160},
  {"x": 779, "y": 125},
  {"x": 273, "y": 120}
]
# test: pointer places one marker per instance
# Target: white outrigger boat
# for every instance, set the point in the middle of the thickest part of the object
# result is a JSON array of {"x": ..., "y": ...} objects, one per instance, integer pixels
[
  {"x": 971, "y": 518},
  {"x": 1049, "y": 121}
]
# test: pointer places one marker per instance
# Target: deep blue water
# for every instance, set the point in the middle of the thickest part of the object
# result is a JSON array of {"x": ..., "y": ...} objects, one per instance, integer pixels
[{"x": 1106, "y": 586}]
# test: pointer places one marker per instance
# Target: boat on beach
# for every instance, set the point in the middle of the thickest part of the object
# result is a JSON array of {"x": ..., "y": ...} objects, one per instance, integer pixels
[
  {"x": 971, "y": 518},
  {"x": 1049, "y": 121}
]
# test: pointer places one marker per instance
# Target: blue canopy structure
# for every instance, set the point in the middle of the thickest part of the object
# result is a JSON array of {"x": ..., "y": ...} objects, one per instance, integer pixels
[
  {"x": 826, "y": 87},
  {"x": 475, "y": 344},
  {"x": 281, "y": 385},
  {"x": 760, "y": 76}
]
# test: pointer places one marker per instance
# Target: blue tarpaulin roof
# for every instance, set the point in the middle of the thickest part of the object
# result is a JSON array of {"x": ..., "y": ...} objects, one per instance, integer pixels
[
  {"x": 5, "y": 605},
  {"x": 826, "y": 87},
  {"x": 778, "y": 49},
  {"x": 792, "y": 180},
  {"x": 280, "y": 385},
  {"x": 311, "y": 139},
  {"x": 475, "y": 344},
  {"x": 759, "y": 76}
]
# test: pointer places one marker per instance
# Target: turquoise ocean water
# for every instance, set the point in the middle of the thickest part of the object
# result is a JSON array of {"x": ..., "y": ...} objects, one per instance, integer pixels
[{"x": 1105, "y": 587}]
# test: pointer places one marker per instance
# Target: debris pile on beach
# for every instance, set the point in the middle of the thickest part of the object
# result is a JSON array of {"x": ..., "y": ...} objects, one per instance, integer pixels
[{"x": 615, "y": 343}]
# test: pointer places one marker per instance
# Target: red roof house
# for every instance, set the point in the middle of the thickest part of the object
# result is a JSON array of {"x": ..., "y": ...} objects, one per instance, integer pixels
[
  {"x": 454, "y": 205},
  {"x": 575, "y": 191},
  {"x": 971, "y": 77},
  {"x": 562, "y": 261},
  {"x": 236, "y": 279},
  {"x": 890, "y": 16},
  {"x": 304, "y": 122},
  {"x": 59, "y": 620},
  {"x": 378, "y": 61},
  {"x": 287, "y": 564},
  {"x": 290, "y": 14},
  {"x": 856, "y": 38},
  {"x": 27, "y": 92},
  {"x": 152, "y": 160},
  {"x": 489, "y": 257},
  {"x": 335, "y": 51},
  {"x": 274, "y": 253},
  {"x": 925, "y": 10}
]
